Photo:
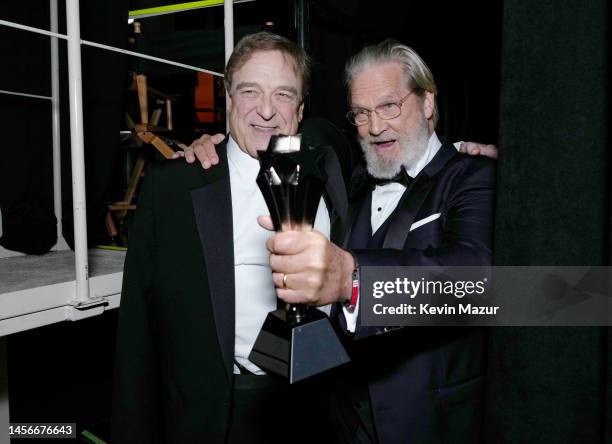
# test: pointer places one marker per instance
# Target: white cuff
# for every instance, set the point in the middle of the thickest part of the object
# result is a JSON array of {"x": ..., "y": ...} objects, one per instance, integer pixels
[{"x": 350, "y": 314}]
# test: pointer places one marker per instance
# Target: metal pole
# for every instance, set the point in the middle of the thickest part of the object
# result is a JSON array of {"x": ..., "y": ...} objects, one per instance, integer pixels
[
  {"x": 301, "y": 8},
  {"x": 228, "y": 26},
  {"x": 76, "y": 150},
  {"x": 4, "y": 399},
  {"x": 302, "y": 13},
  {"x": 55, "y": 125},
  {"x": 228, "y": 23}
]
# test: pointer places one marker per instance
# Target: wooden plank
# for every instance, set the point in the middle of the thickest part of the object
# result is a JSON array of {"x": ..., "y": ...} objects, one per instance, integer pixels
[
  {"x": 162, "y": 147},
  {"x": 110, "y": 224},
  {"x": 134, "y": 179},
  {"x": 155, "y": 116},
  {"x": 169, "y": 113},
  {"x": 141, "y": 82}
]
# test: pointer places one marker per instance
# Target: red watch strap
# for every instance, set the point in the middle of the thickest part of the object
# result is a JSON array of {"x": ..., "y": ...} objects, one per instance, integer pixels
[{"x": 355, "y": 285}]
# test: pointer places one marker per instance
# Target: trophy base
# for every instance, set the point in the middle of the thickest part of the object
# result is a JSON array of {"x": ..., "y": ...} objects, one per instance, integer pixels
[{"x": 297, "y": 351}]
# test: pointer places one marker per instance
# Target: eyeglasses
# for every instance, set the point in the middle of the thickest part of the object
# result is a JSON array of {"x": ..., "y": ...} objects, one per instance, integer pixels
[{"x": 386, "y": 111}]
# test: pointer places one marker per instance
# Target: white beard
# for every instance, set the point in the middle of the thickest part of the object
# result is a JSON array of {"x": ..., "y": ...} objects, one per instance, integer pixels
[{"x": 412, "y": 147}]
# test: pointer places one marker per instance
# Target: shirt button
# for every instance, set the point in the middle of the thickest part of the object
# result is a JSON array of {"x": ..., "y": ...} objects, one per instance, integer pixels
[{"x": 379, "y": 208}]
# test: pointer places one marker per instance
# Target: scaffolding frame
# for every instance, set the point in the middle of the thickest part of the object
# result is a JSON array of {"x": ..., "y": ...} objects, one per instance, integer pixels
[{"x": 74, "y": 42}]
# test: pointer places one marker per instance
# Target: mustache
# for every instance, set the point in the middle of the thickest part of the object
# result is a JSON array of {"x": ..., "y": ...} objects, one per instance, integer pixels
[{"x": 378, "y": 139}]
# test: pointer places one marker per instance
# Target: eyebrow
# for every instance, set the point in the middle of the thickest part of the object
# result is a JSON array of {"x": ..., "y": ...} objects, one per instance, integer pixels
[
  {"x": 247, "y": 85},
  {"x": 290, "y": 89},
  {"x": 387, "y": 99}
]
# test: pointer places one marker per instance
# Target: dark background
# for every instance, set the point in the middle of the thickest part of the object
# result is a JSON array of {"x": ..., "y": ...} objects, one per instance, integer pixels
[{"x": 528, "y": 76}]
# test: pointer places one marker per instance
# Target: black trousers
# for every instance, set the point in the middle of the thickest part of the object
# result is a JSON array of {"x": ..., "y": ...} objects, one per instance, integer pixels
[
  {"x": 351, "y": 411},
  {"x": 268, "y": 411}
]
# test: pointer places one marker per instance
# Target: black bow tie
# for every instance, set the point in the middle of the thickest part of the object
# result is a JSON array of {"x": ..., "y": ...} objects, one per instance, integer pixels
[{"x": 401, "y": 177}]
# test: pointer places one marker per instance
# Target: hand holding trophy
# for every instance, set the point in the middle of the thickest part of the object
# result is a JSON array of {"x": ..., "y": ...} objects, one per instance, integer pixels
[{"x": 298, "y": 341}]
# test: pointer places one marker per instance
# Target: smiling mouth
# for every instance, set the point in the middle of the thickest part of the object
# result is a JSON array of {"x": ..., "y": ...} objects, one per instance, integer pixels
[
  {"x": 383, "y": 144},
  {"x": 265, "y": 129}
]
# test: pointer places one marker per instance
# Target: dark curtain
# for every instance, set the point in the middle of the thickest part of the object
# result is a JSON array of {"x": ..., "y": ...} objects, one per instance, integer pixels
[
  {"x": 552, "y": 384},
  {"x": 459, "y": 41}
]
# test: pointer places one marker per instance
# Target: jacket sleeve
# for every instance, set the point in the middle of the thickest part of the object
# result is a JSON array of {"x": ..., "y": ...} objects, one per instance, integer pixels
[{"x": 136, "y": 406}]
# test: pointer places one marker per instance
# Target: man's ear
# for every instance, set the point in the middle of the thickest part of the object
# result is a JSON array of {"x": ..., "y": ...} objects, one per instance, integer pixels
[
  {"x": 429, "y": 104},
  {"x": 229, "y": 102},
  {"x": 300, "y": 112}
]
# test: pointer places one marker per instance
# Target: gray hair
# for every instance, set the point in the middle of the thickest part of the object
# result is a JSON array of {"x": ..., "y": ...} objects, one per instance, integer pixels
[
  {"x": 418, "y": 76},
  {"x": 266, "y": 41}
]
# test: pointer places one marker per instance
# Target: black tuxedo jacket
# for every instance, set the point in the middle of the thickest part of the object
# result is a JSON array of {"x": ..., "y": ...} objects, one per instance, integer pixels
[
  {"x": 175, "y": 343},
  {"x": 425, "y": 383}
]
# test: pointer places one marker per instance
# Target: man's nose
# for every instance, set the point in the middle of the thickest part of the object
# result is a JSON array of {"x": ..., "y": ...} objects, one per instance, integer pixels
[
  {"x": 265, "y": 107},
  {"x": 377, "y": 125}
]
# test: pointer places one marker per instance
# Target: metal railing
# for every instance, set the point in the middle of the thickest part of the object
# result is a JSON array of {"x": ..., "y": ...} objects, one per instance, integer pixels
[{"x": 74, "y": 41}]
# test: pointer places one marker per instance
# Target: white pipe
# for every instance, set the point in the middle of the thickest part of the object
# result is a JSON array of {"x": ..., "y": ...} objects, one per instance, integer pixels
[
  {"x": 148, "y": 57},
  {"x": 33, "y": 96},
  {"x": 228, "y": 25},
  {"x": 76, "y": 149},
  {"x": 4, "y": 398},
  {"x": 55, "y": 126},
  {"x": 107, "y": 47},
  {"x": 31, "y": 29},
  {"x": 228, "y": 29}
]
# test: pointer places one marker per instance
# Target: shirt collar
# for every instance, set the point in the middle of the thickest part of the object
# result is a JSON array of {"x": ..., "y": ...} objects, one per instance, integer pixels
[
  {"x": 433, "y": 145},
  {"x": 245, "y": 165}
]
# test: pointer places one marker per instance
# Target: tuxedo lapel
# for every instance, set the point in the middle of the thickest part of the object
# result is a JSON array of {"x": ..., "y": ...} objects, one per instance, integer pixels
[
  {"x": 404, "y": 216},
  {"x": 413, "y": 198},
  {"x": 212, "y": 206},
  {"x": 321, "y": 134},
  {"x": 336, "y": 191},
  {"x": 358, "y": 191}
]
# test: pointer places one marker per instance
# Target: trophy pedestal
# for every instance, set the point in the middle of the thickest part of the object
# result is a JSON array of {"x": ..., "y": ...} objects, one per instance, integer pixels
[{"x": 297, "y": 350}]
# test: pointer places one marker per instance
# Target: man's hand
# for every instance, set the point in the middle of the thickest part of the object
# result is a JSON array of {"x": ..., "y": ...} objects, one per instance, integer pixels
[
  {"x": 315, "y": 271},
  {"x": 474, "y": 149},
  {"x": 204, "y": 149}
]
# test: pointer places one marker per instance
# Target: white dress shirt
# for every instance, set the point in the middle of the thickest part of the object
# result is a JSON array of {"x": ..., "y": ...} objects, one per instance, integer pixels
[
  {"x": 384, "y": 201},
  {"x": 255, "y": 294}
]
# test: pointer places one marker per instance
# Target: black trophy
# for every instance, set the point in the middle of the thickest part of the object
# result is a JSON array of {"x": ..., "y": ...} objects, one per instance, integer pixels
[{"x": 297, "y": 341}]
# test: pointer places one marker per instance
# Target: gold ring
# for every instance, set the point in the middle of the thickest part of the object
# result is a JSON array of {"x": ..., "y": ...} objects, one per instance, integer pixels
[{"x": 285, "y": 281}]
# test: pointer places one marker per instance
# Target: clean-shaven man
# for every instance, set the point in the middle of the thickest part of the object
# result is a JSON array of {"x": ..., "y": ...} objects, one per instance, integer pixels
[{"x": 197, "y": 282}]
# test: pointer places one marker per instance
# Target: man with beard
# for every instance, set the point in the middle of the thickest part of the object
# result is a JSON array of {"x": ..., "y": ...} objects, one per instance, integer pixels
[{"x": 421, "y": 204}]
